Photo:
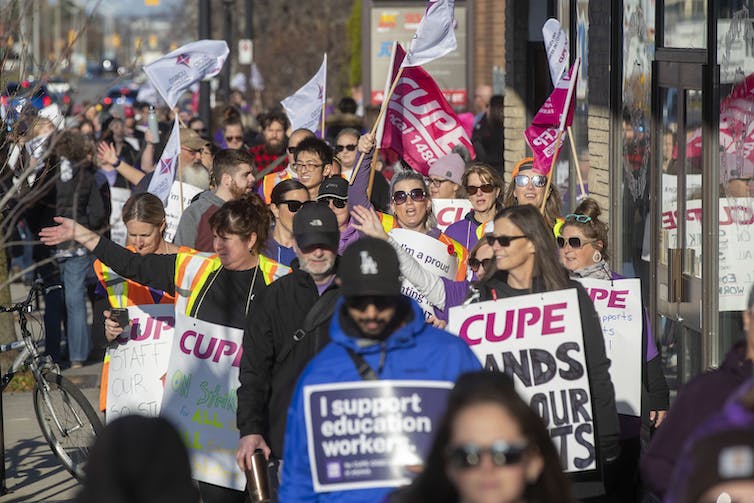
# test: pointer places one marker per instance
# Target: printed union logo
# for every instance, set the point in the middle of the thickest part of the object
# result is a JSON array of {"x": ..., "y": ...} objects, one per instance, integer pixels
[
  {"x": 333, "y": 470},
  {"x": 183, "y": 59},
  {"x": 319, "y": 92},
  {"x": 166, "y": 165}
]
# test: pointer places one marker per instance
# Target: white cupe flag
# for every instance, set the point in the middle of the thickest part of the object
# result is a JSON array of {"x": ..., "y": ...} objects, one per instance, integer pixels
[
  {"x": 556, "y": 46},
  {"x": 174, "y": 73},
  {"x": 304, "y": 107},
  {"x": 435, "y": 37},
  {"x": 164, "y": 173}
]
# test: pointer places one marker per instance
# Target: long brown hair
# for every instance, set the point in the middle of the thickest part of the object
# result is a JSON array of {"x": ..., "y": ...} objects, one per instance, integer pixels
[{"x": 548, "y": 274}]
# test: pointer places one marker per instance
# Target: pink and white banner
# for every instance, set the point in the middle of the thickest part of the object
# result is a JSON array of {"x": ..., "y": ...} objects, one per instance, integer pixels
[
  {"x": 420, "y": 125},
  {"x": 551, "y": 119}
]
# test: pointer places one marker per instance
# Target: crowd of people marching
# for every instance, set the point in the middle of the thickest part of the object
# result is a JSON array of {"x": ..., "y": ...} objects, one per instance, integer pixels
[{"x": 303, "y": 245}]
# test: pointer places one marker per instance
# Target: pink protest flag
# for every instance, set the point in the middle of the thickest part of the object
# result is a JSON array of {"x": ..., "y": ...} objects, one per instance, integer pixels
[
  {"x": 175, "y": 72},
  {"x": 420, "y": 125},
  {"x": 435, "y": 37},
  {"x": 164, "y": 172},
  {"x": 551, "y": 120}
]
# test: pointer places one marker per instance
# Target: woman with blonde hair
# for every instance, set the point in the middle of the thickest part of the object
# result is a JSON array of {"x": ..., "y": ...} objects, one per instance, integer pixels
[{"x": 528, "y": 185}]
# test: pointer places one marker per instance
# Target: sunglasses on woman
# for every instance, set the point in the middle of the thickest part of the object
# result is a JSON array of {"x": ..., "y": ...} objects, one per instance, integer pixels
[
  {"x": 233, "y": 138},
  {"x": 536, "y": 180},
  {"x": 293, "y": 206},
  {"x": 350, "y": 148},
  {"x": 338, "y": 203},
  {"x": 486, "y": 188},
  {"x": 470, "y": 455},
  {"x": 417, "y": 195},
  {"x": 574, "y": 242},
  {"x": 475, "y": 263},
  {"x": 504, "y": 241}
]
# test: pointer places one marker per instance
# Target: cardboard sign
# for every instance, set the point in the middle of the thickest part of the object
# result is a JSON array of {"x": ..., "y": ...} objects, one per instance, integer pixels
[
  {"x": 368, "y": 434},
  {"x": 432, "y": 254},
  {"x": 200, "y": 397},
  {"x": 118, "y": 198},
  {"x": 174, "y": 210},
  {"x": 449, "y": 211},
  {"x": 138, "y": 364},
  {"x": 537, "y": 340},
  {"x": 618, "y": 303}
]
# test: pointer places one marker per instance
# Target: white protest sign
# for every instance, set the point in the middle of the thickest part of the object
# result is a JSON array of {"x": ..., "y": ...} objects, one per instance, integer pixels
[
  {"x": 174, "y": 210},
  {"x": 537, "y": 340},
  {"x": 138, "y": 364},
  {"x": 118, "y": 197},
  {"x": 449, "y": 211},
  {"x": 200, "y": 397},
  {"x": 618, "y": 304},
  {"x": 370, "y": 434},
  {"x": 736, "y": 246},
  {"x": 432, "y": 254}
]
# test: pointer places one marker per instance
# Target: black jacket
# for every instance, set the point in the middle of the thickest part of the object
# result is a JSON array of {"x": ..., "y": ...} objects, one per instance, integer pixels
[
  {"x": 602, "y": 391},
  {"x": 272, "y": 360}
]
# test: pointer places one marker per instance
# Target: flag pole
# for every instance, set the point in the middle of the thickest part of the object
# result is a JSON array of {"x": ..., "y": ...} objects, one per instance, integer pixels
[
  {"x": 576, "y": 161},
  {"x": 324, "y": 100},
  {"x": 558, "y": 143}
]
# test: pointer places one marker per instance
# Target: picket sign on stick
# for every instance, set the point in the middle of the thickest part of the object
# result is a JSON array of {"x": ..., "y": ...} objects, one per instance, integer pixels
[
  {"x": 576, "y": 161},
  {"x": 373, "y": 131}
]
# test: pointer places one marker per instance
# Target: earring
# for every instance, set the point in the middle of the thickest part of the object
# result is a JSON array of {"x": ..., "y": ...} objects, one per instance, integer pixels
[{"x": 596, "y": 256}]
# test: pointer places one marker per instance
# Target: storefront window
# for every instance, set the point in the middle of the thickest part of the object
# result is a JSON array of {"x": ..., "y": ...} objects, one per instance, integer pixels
[{"x": 685, "y": 23}]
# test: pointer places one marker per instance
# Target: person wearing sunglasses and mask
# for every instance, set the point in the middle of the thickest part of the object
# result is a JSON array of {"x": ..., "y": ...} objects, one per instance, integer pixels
[
  {"x": 483, "y": 187},
  {"x": 526, "y": 262},
  {"x": 375, "y": 334},
  {"x": 490, "y": 447},
  {"x": 287, "y": 198},
  {"x": 445, "y": 177},
  {"x": 528, "y": 185},
  {"x": 583, "y": 251}
]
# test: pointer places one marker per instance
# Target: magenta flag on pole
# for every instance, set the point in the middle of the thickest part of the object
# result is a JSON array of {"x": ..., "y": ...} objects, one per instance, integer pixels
[
  {"x": 420, "y": 125},
  {"x": 550, "y": 119}
]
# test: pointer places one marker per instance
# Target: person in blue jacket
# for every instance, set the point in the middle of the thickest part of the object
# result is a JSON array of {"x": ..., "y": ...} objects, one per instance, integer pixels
[{"x": 376, "y": 333}]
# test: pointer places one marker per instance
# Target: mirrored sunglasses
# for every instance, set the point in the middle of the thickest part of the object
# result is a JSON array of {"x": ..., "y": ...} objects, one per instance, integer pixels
[{"x": 536, "y": 180}]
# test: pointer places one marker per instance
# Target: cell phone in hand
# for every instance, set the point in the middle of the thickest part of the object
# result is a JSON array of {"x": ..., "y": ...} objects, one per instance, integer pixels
[{"x": 121, "y": 316}]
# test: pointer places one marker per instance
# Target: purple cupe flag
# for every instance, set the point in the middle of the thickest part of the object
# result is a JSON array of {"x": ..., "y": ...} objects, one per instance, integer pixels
[
  {"x": 435, "y": 37},
  {"x": 175, "y": 72},
  {"x": 551, "y": 119},
  {"x": 164, "y": 172}
]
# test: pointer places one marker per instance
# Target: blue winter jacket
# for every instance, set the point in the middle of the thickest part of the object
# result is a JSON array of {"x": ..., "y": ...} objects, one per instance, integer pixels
[{"x": 416, "y": 351}]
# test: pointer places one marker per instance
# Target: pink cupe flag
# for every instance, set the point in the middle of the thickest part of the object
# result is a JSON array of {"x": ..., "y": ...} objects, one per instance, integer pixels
[
  {"x": 175, "y": 72},
  {"x": 551, "y": 119},
  {"x": 420, "y": 125},
  {"x": 435, "y": 37},
  {"x": 164, "y": 172}
]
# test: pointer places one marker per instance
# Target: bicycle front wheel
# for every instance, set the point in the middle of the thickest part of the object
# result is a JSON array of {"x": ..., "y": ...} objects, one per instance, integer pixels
[{"x": 68, "y": 421}]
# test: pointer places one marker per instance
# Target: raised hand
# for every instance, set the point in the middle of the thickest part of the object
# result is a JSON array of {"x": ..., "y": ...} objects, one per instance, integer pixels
[{"x": 366, "y": 221}]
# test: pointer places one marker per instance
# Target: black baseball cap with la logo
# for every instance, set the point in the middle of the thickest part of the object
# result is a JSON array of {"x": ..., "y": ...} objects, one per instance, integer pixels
[{"x": 369, "y": 266}]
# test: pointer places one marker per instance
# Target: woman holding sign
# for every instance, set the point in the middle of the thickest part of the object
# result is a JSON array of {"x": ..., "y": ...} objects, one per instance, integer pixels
[
  {"x": 583, "y": 251},
  {"x": 214, "y": 294},
  {"x": 526, "y": 263}
]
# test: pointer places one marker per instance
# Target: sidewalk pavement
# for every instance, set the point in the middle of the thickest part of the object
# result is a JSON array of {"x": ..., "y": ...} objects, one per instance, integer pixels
[{"x": 33, "y": 473}]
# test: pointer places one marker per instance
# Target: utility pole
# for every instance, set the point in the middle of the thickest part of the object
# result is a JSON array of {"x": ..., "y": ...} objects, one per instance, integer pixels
[
  {"x": 228, "y": 34},
  {"x": 249, "y": 34},
  {"x": 205, "y": 32}
]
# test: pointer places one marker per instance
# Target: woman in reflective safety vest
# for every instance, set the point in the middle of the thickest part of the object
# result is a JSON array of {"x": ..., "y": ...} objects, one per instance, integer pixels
[{"x": 144, "y": 217}]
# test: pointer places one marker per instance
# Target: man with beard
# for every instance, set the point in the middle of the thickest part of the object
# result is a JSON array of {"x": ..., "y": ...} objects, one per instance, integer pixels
[
  {"x": 193, "y": 171},
  {"x": 286, "y": 329},
  {"x": 233, "y": 172},
  {"x": 274, "y": 125}
]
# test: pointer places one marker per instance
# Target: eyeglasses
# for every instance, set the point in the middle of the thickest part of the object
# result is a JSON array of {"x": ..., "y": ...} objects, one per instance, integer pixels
[
  {"x": 417, "y": 195},
  {"x": 300, "y": 166},
  {"x": 574, "y": 242},
  {"x": 486, "y": 188},
  {"x": 437, "y": 181},
  {"x": 470, "y": 455},
  {"x": 582, "y": 219},
  {"x": 504, "y": 241},
  {"x": 361, "y": 302},
  {"x": 292, "y": 150},
  {"x": 350, "y": 148},
  {"x": 293, "y": 206},
  {"x": 536, "y": 180},
  {"x": 233, "y": 138},
  {"x": 337, "y": 202},
  {"x": 475, "y": 264}
]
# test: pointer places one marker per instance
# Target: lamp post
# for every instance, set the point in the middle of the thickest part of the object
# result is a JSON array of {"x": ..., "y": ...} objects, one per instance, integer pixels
[
  {"x": 228, "y": 33},
  {"x": 205, "y": 32}
]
